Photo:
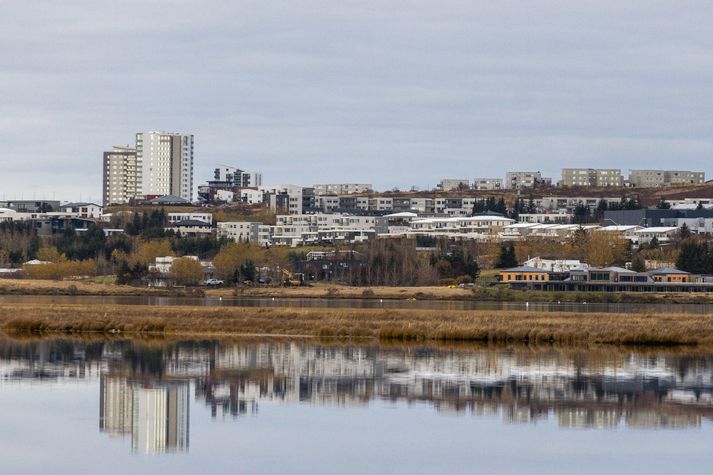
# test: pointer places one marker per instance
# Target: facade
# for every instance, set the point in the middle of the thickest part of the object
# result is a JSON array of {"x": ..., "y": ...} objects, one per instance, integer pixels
[
  {"x": 524, "y": 274},
  {"x": 655, "y": 178},
  {"x": 517, "y": 180},
  {"x": 595, "y": 177},
  {"x": 178, "y": 217},
  {"x": 83, "y": 210},
  {"x": 121, "y": 176},
  {"x": 166, "y": 161},
  {"x": 342, "y": 188},
  {"x": 236, "y": 177},
  {"x": 239, "y": 231},
  {"x": 454, "y": 184},
  {"x": 488, "y": 183},
  {"x": 191, "y": 227}
]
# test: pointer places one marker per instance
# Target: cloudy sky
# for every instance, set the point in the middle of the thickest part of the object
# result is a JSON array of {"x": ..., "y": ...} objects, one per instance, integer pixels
[{"x": 391, "y": 92}]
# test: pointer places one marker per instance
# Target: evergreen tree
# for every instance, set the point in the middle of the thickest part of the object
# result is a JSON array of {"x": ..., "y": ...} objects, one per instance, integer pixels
[{"x": 507, "y": 257}]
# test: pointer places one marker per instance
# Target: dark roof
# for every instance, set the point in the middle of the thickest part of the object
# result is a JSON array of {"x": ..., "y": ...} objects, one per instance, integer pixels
[
  {"x": 526, "y": 269},
  {"x": 668, "y": 270},
  {"x": 190, "y": 222},
  {"x": 490, "y": 213},
  {"x": 169, "y": 199}
]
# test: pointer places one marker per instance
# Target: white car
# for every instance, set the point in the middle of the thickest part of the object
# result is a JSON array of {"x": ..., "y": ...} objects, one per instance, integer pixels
[{"x": 214, "y": 283}]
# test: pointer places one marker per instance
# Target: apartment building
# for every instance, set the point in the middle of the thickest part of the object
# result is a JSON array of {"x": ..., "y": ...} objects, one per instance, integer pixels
[
  {"x": 568, "y": 203},
  {"x": 596, "y": 177},
  {"x": 83, "y": 210},
  {"x": 294, "y": 199},
  {"x": 454, "y": 184},
  {"x": 656, "y": 178},
  {"x": 342, "y": 188},
  {"x": 517, "y": 180},
  {"x": 488, "y": 184},
  {"x": 121, "y": 176},
  {"x": 166, "y": 162},
  {"x": 234, "y": 176},
  {"x": 178, "y": 217},
  {"x": 239, "y": 231}
]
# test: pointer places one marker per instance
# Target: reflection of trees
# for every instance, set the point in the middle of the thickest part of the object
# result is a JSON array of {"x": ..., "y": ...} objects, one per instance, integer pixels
[{"x": 584, "y": 388}]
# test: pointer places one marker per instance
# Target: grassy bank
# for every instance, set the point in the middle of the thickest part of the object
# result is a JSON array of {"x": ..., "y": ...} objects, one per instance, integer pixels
[
  {"x": 86, "y": 287},
  {"x": 395, "y": 325},
  {"x": 495, "y": 293}
]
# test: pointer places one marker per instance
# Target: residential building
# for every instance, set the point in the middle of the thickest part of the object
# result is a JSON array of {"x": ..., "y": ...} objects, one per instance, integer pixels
[
  {"x": 121, "y": 176},
  {"x": 31, "y": 206},
  {"x": 233, "y": 176},
  {"x": 518, "y": 180},
  {"x": 191, "y": 227},
  {"x": 239, "y": 231},
  {"x": 488, "y": 183},
  {"x": 595, "y": 177},
  {"x": 454, "y": 184},
  {"x": 655, "y": 178},
  {"x": 569, "y": 203},
  {"x": 342, "y": 188},
  {"x": 555, "y": 265},
  {"x": 83, "y": 210},
  {"x": 178, "y": 217},
  {"x": 546, "y": 218},
  {"x": 166, "y": 161},
  {"x": 294, "y": 199}
]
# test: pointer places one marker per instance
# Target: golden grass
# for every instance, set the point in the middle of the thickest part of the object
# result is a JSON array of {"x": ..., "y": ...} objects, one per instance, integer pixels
[
  {"x": 395, "y": 325},
  {"x": 84, "y": 287}
]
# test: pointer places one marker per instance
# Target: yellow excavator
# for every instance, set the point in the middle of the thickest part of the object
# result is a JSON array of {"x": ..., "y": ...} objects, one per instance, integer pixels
[{"x": 292, "y": 280}]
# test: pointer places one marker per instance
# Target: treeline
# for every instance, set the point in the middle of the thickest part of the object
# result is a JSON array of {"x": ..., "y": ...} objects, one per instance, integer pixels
[{"x": 397, "y": 262}]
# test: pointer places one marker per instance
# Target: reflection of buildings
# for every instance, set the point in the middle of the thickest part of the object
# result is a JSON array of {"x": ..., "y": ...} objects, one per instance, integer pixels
[
  {"x": 144, "y": 388},
  {"x": 156, "y": 415}
]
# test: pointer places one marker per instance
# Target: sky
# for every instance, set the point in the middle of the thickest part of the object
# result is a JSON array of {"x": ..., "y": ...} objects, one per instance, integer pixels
[{"x": 390, "y": 92}]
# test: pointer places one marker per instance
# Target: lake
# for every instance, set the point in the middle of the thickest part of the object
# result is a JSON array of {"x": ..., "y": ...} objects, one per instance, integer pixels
[
  {"x": 304, "y": 406},
  {"x": 580, "y": 307}
]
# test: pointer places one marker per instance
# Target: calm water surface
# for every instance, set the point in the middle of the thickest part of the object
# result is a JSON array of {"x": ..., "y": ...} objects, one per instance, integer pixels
[
  {"x": 361, "y": 303},
  {"x": 121, "y": 406}
]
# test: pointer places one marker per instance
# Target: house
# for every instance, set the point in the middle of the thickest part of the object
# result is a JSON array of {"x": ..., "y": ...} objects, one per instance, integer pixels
[
  {"x": 670, "y": 275},
  {"x": 662, "y": 234},
  {"x": 168, "y": 200},
  {"x": 524, "y": 274},
  {"x": 83, "y": 210},
  {"x": 555, "y": 265},
  {"x": 178, "y": 217}
]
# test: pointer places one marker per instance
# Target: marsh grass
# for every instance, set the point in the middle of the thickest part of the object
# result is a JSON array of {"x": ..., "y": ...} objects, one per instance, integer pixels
[{"x": 387, "y": 325}]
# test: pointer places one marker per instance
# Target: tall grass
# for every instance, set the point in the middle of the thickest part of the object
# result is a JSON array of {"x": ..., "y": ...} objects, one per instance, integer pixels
[{"x": 387, "y": 325}]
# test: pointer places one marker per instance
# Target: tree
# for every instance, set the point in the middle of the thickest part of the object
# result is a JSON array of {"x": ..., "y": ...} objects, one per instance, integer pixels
[
  {"x": 581, "y": 214},
  {"x": 695, "y": 257},
  {"x": 638, "y": 264},
  {"x": 507, "y": 257},
  {"x": 663, "y": 204},
  {"x": 685, "y": 232},
  {"x": 186, "y": 271},
  {"x": 605, "y": 249}
]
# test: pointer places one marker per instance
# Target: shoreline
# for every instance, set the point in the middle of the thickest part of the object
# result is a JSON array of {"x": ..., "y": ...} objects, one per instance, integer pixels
[
  {"x": 400, "y": 325},
  {"x": 327, "y": 291}
]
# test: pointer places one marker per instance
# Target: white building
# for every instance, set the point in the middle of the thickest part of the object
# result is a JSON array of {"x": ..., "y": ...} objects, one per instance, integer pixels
[
  {"x": 470, "y": 227},
  {"x": 83, "y": 210},
  {"x": 178, "y": 217},
  {"x": 251, "y": 196},
  {"x": 237, "y": 177},
  {"x": 166, "y": 162},
  {"x": 555, "y": 265},
  {"x": 488, "y": 183},
  {"x": 663, "y": 234}
]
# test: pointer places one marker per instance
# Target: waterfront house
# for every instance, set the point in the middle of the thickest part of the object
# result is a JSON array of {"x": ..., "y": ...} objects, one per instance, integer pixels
[{"x": 524, "y": 274}]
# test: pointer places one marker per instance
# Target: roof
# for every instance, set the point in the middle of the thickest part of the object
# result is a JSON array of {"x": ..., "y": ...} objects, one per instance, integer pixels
[
  {"x": 657, "y": 229},
  {"x": 169, "y": 199},
  {"x": 526, "y": 269},
  {"x": 77, "y": 205},
  {"x": 620, "y": 270},
  {"x": 668, "y": 270},
  {"x": 403, "y": 214},
  {"x": 191, "y": 222},
  {"x": 619, "y": 228}
]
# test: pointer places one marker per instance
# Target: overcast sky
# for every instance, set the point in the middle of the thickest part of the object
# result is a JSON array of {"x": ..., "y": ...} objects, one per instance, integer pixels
[{"x": 394, "y": 93}]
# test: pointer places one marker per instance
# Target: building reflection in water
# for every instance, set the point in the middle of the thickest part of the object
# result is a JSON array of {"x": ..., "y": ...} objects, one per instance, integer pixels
[
  {"x": 156, "y": 415},
  {"x": 145, "y": 388}
]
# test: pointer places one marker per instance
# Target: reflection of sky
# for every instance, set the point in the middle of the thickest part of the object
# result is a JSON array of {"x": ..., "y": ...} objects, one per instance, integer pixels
[{"x": 54, "y": 427}]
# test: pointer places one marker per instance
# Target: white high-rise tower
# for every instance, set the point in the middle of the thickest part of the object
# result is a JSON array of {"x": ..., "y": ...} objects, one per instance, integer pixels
[{"x": 166, "y": 163}]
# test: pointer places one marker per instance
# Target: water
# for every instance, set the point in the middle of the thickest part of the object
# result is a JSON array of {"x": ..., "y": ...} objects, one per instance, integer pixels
[
  {"x": 359, "y": 303},
  {"x": 276, "y": 406}
]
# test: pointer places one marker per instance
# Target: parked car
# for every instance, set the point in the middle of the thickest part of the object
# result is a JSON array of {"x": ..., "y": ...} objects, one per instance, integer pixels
[{"x": 214, "y": 283}]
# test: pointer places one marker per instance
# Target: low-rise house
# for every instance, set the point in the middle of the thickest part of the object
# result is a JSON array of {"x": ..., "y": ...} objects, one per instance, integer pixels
[
  {"x": 545, "y": 218},
  {"x": 178, "y": 217},
  {"x": 83, "y": 210},
  {"x": 670, "y": 275},
  {"x": 524, "y": 274},
  {"x": 663, "y": 234},
  {"x": 606, "y": 279}
]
